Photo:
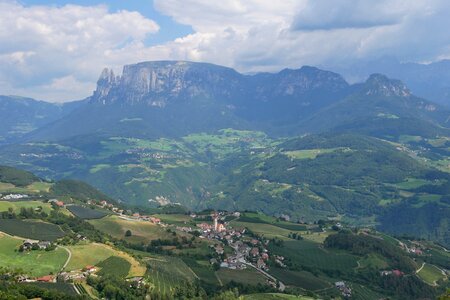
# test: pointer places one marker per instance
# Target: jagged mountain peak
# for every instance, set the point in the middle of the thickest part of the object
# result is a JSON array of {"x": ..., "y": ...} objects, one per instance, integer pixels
[
  {"x": 381, "y": 85},
  {"x": 155, "y": 82}
]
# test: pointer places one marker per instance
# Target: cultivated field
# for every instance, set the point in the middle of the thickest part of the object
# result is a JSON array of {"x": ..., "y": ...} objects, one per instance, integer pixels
[
  {"x": 36, "y": 187},
  {"x": 114, "y": 265},
  {"x": 94, "y": 253},
  {"x": 34, "y": 263},
  {"x": 168, "y": 272},
  {"x": 268, "y": 230},
  {"x": 17, "y": 205},
  {"x": 174, "y": 219},
  {"x": 37, "y": 230},
  {"x": 62, "y": 287},
  {"x": 86, "y": 213},
  {"x": 202, "y": 269},
  {"x": 247, "y": 276},
  {"x": 141, "y": 231},
  {"x": 302, "y": 279},
  {"x": 431, "y": 274},
  {"x": 310, "y": 254},
  {"x": 88, "y": 254}
]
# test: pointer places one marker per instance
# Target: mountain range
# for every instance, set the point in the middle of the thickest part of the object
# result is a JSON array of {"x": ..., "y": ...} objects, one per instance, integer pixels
[
  {"x": 300, "y": 142},
  {"x": 428, "y": 80},
  {"x": 158, "y": 99}
]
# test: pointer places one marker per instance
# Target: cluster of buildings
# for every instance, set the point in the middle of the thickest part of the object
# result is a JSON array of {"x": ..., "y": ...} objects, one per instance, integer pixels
[
  {"x": 128, "y": 213},
  {"x": 32, "y": 245},
  {"x": 15, "y": 196},
  {"x": 77, "y": 275},
  {"x": 56, "y": 202},
  {"x": 415, "y": 248},
  {"x": 145, "y": 153},
  {"x": 397, "y": 273},
  {"x": 252, "y": 251},
  {"x": 70, "y": 155},
  {"x": 219, "y": 230},
  {"x": 346, "y": 291}
]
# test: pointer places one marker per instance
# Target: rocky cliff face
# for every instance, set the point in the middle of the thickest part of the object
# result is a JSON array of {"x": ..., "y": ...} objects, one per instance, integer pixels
[
  {"x": 157, "y": 83},
  {"x": 380, "y": 85}
]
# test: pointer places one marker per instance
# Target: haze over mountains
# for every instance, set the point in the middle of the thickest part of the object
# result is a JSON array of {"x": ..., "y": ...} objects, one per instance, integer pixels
[
  {"x": 430, "y": 81},
  {"x": 301, "y": 142},
  {"x": 156, "y": 99}
]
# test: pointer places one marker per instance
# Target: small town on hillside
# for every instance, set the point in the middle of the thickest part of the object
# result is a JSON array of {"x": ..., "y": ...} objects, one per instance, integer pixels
[{"x": 231, "y": 247}]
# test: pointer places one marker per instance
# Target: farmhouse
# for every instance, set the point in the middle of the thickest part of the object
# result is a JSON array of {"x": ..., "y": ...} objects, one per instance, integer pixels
[
  {"x": 254, "y": 251},
  {"x": 219, "y": 249},
  {"x": 47, "y": 278},
  {"x": 155, "y": 220},
  {"x": 56, "y": 202},
  {"x": 27, "y": 244},
  {"x": 260, "y": 264},
  {"x": 90, "y": 269},
  {"x": 44, "y": 245}
]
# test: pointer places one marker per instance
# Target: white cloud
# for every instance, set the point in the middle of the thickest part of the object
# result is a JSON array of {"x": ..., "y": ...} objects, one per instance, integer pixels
[
  {"x": 262, "y": 35},
  {"x": 42, "y": 46}
]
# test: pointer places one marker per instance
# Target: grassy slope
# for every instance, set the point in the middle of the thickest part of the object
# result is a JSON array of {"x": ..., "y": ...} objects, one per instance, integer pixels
[
  {"x": 92, "y": 254},
  {"x": 141, "y": 231},
  {"x": 430, "y": 274},
  {"x": 35, "y": 263},
  {"x": 17, "y": 205}
]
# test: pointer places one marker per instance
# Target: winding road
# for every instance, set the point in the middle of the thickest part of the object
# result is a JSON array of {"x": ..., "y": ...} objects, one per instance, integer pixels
[
  {"x": 282, "y": 287},
  {"x": 68, "y": 259}
]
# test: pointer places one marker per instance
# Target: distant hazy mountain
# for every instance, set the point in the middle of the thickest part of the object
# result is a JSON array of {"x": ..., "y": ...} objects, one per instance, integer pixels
[
  {"x": 430, "y": 81},
  {"x": 166, "y": 98},
  {"x": 19, "y": 116},
  {"x": 381, "y": 107}
]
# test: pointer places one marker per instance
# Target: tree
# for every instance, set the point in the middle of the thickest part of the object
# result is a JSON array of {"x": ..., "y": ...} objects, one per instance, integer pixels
[{"x": 128, "y": 233}]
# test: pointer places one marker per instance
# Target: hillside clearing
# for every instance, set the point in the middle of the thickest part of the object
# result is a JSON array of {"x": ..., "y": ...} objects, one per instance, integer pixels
[{"x": 34, "y": 263}]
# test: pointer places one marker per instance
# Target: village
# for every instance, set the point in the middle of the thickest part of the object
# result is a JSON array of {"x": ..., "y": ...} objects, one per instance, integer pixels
[{"x": 231, "y": 247}]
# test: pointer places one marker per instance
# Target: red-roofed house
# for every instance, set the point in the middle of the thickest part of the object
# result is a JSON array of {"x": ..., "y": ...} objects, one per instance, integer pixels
[
  {"x": 47, "y": 278},
  {"x": 90, "y": 269}
]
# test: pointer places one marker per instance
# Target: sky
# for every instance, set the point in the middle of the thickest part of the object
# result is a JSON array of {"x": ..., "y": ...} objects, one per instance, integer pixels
[{"x": 55, "y": 50}]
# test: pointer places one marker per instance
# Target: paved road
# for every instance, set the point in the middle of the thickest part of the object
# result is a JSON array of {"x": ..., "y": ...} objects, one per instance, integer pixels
[
  {"x": 282, "y": 286},
  {"x": 68, "y": 259},
  {"x": 420, "y": 269}
]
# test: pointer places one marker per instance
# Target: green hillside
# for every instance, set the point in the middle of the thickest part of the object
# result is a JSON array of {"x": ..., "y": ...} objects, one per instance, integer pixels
[{"x": 358, "y": 178}]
